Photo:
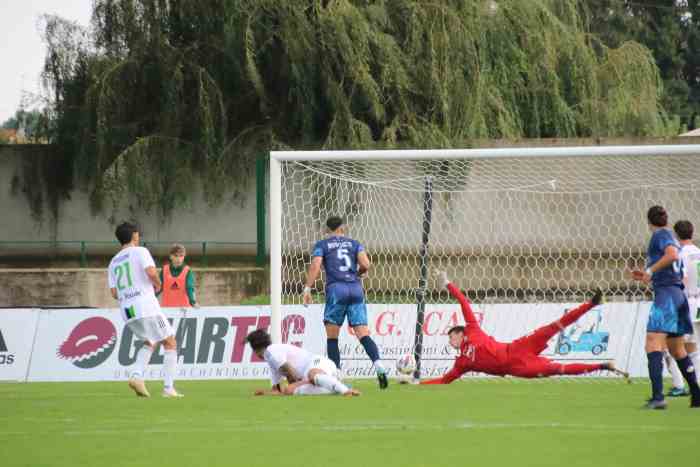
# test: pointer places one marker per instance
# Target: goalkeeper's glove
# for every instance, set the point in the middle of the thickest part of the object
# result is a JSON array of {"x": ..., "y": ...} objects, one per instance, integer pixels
[{"x": 441, "y": 276}]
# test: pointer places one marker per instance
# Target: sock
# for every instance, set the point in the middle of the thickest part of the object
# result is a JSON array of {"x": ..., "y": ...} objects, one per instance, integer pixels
[
  {"x": 333, "y": 351},
  {"x": 169, "y": 367},
  {"x": 580, "y": 368},
  {"x": 676, "y": 375},
  {"x": 330, "y": 383},
  {"x": 695, "y": 358},
  {"x": 142, "y": 358},
  {"x": 655, "y": 361},
  {"x": 688, "y": 371},
  {"x": 372, "y": 352}
]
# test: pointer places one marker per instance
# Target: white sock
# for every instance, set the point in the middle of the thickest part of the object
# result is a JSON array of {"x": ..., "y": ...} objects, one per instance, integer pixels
[
  {"x": 169, "y": 368},
  {"x": 330, "y": 383},
  {"x": 676, "y": 375},
  {"x": 695, "y": 358},
  {"x": 142, "y": 359},
  {"x": 379, "y": 368}
]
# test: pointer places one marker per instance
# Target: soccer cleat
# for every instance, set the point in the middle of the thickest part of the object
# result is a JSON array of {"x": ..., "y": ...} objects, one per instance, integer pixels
[
  {"x": 655, "y": 405},
  {"x": 695, "y": 402},
  {"x": 383, "y": 380},
  {"x": 139, "y": 387},
  {"x": 172, "y": 393},
  {"x": 677, "y": 392}
]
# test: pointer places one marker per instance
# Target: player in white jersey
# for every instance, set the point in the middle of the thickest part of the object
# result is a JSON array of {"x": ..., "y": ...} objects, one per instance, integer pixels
[
  {"x": 306, "y": 373},
  {"x": 690, "y": 257},
  {"x": 133, "y": 280}
]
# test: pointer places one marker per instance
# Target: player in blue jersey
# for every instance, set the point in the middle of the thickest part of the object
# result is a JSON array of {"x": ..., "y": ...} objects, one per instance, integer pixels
[
  {"x": 345, "y": 262},
  {"x": 669, "y": 319}
]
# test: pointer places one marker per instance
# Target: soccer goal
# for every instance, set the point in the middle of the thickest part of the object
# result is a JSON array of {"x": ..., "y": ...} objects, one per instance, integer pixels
[{"x": 524, "y": 231}]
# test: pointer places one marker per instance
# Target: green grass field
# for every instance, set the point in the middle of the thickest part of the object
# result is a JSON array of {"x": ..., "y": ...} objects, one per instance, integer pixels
[{"x": 219, "y": 423}]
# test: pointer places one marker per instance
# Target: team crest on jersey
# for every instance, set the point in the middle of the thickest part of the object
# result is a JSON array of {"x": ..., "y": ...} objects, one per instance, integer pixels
[{"x": 90, "y": 343}]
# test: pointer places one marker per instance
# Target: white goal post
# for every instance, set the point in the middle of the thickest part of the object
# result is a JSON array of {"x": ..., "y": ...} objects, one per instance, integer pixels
[{"x": 510, "y": 225}]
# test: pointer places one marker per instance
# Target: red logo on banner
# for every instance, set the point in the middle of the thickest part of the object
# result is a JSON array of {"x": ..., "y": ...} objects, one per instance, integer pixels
[{"x": 90, "y": 343}]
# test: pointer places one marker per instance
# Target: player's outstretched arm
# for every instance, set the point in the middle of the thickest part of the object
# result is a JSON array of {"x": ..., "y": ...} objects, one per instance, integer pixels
[
  {"x": 447, "y": 378},
  {"x": 457, "y": 294}
]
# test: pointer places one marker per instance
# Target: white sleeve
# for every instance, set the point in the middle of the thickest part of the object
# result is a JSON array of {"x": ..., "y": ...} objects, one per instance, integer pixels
[
  {"x": 275, "y": 377},
  {"x": 275, "y": 359},
  {"x": 686, "y": 264},
  {"x": 110, "y": 278},
  {"x": 146, "y": 259}
]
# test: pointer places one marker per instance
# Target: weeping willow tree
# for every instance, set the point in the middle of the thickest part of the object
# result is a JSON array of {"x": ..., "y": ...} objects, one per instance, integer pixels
[{"x": 163, "y": 92}]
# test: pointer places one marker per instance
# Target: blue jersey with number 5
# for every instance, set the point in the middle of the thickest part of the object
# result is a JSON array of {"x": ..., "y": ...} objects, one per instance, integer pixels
[
  {"x": 671, "y": 275},
  {"x": 339, "y": 258}
]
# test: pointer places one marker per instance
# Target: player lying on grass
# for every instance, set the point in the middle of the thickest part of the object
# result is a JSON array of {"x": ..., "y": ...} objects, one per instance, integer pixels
[
  {"x": 306, "y": 373},
  {"x": 301, "y": 388},
  {"x": 482, "y": 353}
]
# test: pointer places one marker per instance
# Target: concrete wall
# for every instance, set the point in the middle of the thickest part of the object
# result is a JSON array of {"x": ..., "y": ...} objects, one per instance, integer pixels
[
  {"x": 88, "y": 287},
  {"x": 229, "y": 222}
]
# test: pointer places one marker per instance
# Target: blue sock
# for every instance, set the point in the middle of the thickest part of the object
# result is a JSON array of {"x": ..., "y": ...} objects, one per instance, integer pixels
[
  {"x": 373, "y": 352},
  {"x": 656, "y": 370},
  {"x": 333, "y": 351},
  {"x": 688, "y": 372}
]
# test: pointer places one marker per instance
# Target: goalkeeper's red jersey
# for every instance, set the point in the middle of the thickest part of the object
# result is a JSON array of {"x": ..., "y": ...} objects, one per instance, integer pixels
[{"x": 479, "y": 351}]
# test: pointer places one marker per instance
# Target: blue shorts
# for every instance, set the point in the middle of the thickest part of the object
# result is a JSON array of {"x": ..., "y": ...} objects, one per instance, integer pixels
[
  {"x": 669, "y": 313},
  {"x": 345, "y": 299}
]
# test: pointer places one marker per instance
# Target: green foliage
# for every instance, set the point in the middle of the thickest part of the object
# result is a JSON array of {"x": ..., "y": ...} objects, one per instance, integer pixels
[
  {"x": 671, "y": 31},
  {"x": 161, "y": 93},
  {"x": 32, "y": 122}
]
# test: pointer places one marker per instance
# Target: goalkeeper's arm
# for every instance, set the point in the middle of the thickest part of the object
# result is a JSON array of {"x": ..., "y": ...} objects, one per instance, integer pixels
[
  {"x": 447, "y": 378},
  {"x": 457, "y": 294}
]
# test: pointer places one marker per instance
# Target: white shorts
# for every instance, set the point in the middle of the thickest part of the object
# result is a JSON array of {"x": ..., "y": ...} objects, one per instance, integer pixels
[
  {"x": 151, "y": 328},
  {"x": 693, "y": 338},
  {"x": 693, "y": 305},
  {"x": 323, "y": 364},
  {"x": 311, "y": 390}
]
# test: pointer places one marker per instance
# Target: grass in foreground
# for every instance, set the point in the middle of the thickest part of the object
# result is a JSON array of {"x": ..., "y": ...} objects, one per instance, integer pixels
[{"x": 219, "y": 423}]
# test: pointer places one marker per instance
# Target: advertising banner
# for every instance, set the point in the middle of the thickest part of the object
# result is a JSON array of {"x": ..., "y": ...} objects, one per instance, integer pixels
[
  {"x": 17, "y": 328},
  {"x": 94, "y": 345}
]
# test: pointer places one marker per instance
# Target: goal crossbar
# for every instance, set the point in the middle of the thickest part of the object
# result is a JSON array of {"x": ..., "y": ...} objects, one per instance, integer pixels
[{"x": 520, "y": 152}]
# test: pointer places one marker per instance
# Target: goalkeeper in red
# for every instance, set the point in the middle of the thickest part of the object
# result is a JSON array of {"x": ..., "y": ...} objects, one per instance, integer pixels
[{"x": 482, "y": 353}]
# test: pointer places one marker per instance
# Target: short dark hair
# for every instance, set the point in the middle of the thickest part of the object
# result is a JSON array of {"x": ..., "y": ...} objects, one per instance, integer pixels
[
  {"x": 455, "y": 329},
  {"x": 334, "y": 222},
  {"x": 656, "y": 215},
  {"x": 684, "y": 229},
  {"x": 125, "y": 232},
  {"x": 259, "y": 339}
]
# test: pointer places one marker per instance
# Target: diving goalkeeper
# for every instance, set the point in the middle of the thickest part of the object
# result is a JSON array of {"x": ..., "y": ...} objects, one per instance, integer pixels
[{"x": 482, "y": 353}]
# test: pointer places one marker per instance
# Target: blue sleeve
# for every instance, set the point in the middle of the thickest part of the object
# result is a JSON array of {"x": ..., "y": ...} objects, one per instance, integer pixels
[
  {"x": 318, "y": 249},
  {"x": 663, "y": 239},
  {"x": 359, "y": 247}
]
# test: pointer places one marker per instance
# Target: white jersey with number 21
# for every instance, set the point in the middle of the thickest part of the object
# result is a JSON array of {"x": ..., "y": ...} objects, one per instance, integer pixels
[{"x": 127, "y": 274}]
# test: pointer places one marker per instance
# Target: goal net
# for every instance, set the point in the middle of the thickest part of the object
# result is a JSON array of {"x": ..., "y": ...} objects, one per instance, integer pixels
[{"x": 525, "y": 232}]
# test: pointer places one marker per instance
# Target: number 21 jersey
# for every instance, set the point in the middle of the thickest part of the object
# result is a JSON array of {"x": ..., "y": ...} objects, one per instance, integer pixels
[{"x": 127, "y": 274}]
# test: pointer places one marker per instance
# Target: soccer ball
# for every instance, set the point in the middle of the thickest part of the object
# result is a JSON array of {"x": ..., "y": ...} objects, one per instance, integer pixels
[{"x": 406, "y": 364}]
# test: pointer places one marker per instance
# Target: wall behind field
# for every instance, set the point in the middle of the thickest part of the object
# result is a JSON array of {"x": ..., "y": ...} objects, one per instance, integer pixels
[
  {"x": 88, "y": 287},
  {"x": 197, "y": 221}
]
